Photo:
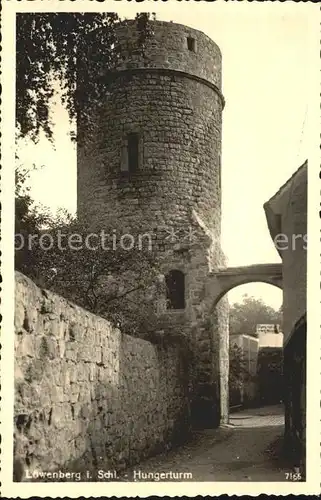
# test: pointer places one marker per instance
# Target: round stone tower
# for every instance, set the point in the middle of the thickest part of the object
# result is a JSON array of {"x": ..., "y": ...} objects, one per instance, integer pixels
[
  {"x": 157, "y": 155},
  {"x": 153, "y": 165}
]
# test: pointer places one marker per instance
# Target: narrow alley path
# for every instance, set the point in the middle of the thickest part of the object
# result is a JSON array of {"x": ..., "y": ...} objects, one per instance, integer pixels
[{"x": 238, "y": 452}]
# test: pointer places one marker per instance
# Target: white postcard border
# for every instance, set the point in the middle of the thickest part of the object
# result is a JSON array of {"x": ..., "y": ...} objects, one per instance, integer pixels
[{"x": 25, "y": 490}]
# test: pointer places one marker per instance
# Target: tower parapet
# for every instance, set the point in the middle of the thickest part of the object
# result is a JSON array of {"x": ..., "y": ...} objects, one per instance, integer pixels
[{"x": 172, "y": 46}]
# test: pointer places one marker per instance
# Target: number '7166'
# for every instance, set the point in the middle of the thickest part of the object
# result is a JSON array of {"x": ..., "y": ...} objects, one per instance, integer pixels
[{"x": 293, "y": 476}]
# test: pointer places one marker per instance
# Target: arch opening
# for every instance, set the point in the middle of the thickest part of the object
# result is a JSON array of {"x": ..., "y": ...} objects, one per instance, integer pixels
[
  {"x": 227, "y": 288},
  {"x": 250, "y": 345}
]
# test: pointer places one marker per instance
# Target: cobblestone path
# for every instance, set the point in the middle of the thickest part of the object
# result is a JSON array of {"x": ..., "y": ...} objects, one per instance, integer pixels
[{"x": 240, "y": 451}]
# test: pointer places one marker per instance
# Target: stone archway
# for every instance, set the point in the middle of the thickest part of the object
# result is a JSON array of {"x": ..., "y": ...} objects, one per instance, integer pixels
[
  {"x": 218, "y": 285},
  {"x": 224, "y": 280}
]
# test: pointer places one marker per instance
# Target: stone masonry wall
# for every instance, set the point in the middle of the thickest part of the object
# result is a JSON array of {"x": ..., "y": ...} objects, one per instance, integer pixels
[
  {"x": 179, "y": 125},
  {"x": 87, "y": 395},
  {"x": 171, "y": 98}
]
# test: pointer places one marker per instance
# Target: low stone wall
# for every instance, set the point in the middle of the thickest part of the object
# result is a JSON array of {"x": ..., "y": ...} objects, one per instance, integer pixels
[{"x": 86, "y": 395}]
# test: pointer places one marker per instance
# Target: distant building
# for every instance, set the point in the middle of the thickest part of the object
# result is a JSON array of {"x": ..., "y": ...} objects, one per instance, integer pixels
[
  {"x": 267, "y": 328},
  {"x": 270, "y": 339},
  {"x": 249, "y": 347},
  {"x": 262, "y": 360},
  {"x": 286, "y": 214}
]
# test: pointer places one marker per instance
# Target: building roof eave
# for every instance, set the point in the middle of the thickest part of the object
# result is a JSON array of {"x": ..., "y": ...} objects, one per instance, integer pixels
[
  {"x": 272, "y": 223},
  {"x": 286, "y": 184}
]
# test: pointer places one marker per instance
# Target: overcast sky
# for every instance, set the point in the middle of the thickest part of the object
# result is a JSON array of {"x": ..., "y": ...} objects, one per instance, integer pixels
[{"x": 265, "y": 66}]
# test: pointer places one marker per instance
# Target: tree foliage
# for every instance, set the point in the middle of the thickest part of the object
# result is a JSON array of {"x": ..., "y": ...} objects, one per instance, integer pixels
[
  {"x": 65, "y": 49},
  {"x": 75, "y": 54},
  {"x": 244, "y": 316},
  {"x": 238, "y": 369},
  {"x": 98, "y": 274},
  {"x": 29, "y": 218}
]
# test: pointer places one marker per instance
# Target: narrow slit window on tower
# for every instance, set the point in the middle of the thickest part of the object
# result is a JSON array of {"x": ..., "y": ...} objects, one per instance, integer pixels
[
  {"x": 191, "y": 44},
  {"x": 133, "y": 152},
  {"x": 175, "y": 290}
]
